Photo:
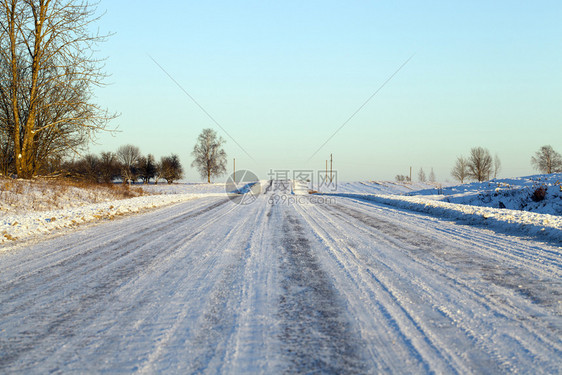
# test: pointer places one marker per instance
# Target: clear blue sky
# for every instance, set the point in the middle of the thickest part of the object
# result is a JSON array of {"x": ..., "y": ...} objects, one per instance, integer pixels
[{"x": 281, "y": 77}]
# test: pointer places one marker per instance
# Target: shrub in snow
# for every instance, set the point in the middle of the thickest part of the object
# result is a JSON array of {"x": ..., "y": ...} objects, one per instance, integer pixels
[{"x": 539, "y": 194}]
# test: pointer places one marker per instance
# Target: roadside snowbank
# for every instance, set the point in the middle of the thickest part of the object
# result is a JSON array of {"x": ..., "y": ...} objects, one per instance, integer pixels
[
  {"x": 23, "y": 196},
  {"x": 512, "y": 193},
  {"x": 544, "y": 226},
  {"x": 184, "y": 188},
  {"x": 385, "y": 187},
  {"x": 24, "y": 226}
]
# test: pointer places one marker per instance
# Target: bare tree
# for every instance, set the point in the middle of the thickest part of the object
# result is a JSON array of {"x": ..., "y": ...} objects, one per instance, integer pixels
[
  {"x": 170, "y": 168},
  {"x": 86, "y": 168},
  {"x": 91, "y": 167},
  {"x": 480, "y": 164},
  {"x": 497, "y": 165},
  {"x": 147, "y": 168},
  {"x": 546, "y": 160},
  {"x": 460, "y": 169},
  {"x": 129, "y": 157},
  {"x": 47, "y": 74},
  {"x": 432, "y": 177},
  {"x": 421, "y": 175},
  {"x": 210, "y": 157},
  {"x": 109, "y": 167}
]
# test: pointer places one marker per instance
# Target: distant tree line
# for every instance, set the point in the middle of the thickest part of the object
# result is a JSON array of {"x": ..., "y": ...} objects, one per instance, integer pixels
[
  {"x": 126, "y": 164},
  {"x": 129, "y": 165},
  {"x": 402, "y": 178},
  {"x": 422, "y": 177},
  {"x": 480, "y": 165}
]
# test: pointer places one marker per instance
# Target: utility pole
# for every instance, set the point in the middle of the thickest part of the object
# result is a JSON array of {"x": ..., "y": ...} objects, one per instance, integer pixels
[
  {"x": 410, "y": 174},
  {"x": 234, "y": 175},
  {"x": 330, "y": 168}
]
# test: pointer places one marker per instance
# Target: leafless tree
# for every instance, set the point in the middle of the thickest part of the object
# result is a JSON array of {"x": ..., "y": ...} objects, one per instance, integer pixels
[
  {"x": 109, "y": 167},
  {"x": 480, "y": 164},
  {"x": 129, "y": 157},
  {"x": 497, "y": 165},
  {"x": 421, "y": 175},
  {"x": 170, "y": 168},
  {"x": 210, "y": 157},
  {"x": 86, "y": 168},
  {"x": 460, "y": 169},
  {"x": 432, "y": 177},
  {"x": 546, "y": 160},
  {"x": 47, "y": 74},
  {"x": 91, "y": 165},
  {"x": 147, "y": 168}
]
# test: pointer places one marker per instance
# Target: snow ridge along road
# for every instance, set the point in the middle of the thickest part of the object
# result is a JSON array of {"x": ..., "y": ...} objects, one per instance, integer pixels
[{"x": 295, "y": 285}]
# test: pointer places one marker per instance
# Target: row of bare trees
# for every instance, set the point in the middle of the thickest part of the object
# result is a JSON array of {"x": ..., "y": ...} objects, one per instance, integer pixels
[
  {"x": 127, "y": 164},
  {"x": 47, "y": 75},
  {"x": 479, "y": 166}
]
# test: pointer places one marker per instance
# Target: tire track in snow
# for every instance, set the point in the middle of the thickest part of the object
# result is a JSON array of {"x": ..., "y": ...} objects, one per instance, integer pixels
[
  {"x": 254, "y": 347},
  {"x": 537, "y": 280},
  {"x": 398, "y": 343},
  {"x": 88, "y": 261},
  {"x": 100, "y": 250},
  {"x": 543, "y": 337},
  {"x": 315, "y": 335},
  {"x": 205, "y": 338},
  {"x": 49, "y": 318},
  {"x": 520, "y": 281}
]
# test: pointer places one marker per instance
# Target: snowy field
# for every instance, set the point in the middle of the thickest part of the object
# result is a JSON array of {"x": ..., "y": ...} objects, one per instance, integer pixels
[
  {"x": 373, "y": 278},
  {"x": 185, "y": 188},
  {"x": 383, "y": 187}
]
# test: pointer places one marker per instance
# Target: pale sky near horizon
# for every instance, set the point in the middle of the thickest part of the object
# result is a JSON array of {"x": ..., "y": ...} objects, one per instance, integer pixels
[{"x": 282, "y": 77}]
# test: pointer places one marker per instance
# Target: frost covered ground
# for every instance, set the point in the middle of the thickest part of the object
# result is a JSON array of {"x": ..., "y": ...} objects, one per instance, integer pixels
[
  {"x": 506, "y": 205},
  {"x": 383, "y": 187},
  {"x": 521, "y": 194},
  {"x": 33, "y": 208},
  {"x": 347, "y": 283}
]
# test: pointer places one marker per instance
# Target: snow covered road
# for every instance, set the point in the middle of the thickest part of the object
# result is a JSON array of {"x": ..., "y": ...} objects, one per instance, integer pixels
[{"x": 293, "y": 285}]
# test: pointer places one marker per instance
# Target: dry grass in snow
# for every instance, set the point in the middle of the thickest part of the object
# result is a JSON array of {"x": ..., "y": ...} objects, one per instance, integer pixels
[{"x": 19, "y": 196}]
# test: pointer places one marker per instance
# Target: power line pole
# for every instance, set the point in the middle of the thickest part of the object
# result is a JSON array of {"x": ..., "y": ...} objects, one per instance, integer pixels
[
  {"x": 234, "y": 174},
  {"x": 410, "y": 174},
  {"x": 326, "y": 175}
]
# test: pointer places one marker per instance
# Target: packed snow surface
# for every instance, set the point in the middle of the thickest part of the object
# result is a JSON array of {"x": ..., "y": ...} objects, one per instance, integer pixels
[{"x": 289, "y": 283}]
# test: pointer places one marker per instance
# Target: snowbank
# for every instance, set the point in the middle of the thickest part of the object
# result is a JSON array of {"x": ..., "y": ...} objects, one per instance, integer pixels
[
  {"x": 511, "y": 193},
  {"x": 383, "y": 187},
  {"x": 24, "y": 226},
  {"x": 543, "y": 226},
  {"x": 184, "y": 188}
]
